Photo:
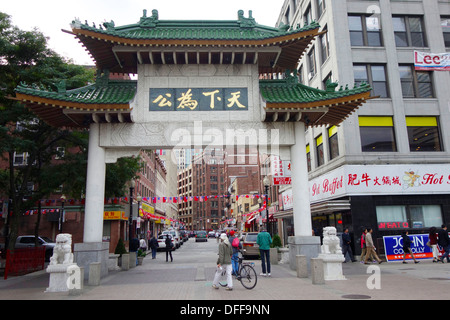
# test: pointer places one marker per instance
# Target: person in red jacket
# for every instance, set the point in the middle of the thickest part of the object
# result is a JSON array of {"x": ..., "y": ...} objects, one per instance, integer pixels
[{"x": 432, "y": 236}]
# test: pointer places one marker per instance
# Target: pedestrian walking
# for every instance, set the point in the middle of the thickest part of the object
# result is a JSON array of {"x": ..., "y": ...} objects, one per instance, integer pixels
[
  {"x": 432, "y": 237},
  {"x": 153, "y": 244},
  {"x": 363, "y": 245},
  {"x": 346, "y": 245},
  {"x": 236, "y": 246},
  {"x": 370, "y": 247},
  {"x": 407, "y": 247},
  {"x": 143, "y": 244},
  {"x": 264, "y": 240},
  {"x": 169, "y": 248},
  {"x": 224, "y": 263},
  {"x": 444, "y": 242}
]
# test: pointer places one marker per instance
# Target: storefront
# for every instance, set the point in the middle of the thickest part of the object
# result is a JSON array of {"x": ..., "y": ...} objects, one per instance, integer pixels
[{"x": 387, "y": 198}]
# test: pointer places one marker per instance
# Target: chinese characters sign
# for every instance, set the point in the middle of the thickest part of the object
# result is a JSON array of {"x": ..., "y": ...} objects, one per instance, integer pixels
[
  {"x": 280, "y": 170},
  {"x": 188, "y": 99},
  {"x": 382, "y": 179}
]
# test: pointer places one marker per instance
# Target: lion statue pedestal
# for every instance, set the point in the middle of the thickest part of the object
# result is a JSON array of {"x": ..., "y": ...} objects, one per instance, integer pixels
[
  {"x": 61, "y": 264},
  {"x": 332, "y": 255}
]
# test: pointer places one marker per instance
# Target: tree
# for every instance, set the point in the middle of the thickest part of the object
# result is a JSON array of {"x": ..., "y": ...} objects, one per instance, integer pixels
[{"x": 25, "y": 57}]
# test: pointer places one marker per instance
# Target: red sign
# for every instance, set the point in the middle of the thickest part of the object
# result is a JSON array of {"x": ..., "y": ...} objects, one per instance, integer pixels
[
  {"x": 281, "y": 180},
  {"x": 393, "y": 225}
]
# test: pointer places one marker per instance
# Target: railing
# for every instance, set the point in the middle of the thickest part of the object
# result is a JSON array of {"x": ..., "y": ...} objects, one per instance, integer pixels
[{"x": 24, "y": 260}]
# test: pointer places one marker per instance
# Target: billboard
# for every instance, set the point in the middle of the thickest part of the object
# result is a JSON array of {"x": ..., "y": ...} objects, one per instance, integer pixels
[{"x": 393, "y": 247}]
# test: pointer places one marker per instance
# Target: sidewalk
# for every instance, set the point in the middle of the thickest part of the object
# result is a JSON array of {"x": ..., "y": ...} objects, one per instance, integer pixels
[{"x": 157, "y": 279}]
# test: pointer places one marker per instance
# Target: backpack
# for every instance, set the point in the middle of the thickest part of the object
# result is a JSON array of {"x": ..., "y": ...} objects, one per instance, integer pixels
[{"x": 235, "y": 243}]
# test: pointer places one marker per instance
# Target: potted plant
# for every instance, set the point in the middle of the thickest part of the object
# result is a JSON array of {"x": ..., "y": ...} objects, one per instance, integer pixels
[
  {"x": 120, "y": 249},
  {"x": 141, "y": 255}
]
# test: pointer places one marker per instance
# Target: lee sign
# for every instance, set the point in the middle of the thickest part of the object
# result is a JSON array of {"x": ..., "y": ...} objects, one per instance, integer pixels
[{"x": 431, "y": 61}]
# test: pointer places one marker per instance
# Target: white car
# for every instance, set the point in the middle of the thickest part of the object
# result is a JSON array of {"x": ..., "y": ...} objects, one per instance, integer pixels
[
  {"x": 176, "y": 237},
  {"x": 162, "y": 242}
]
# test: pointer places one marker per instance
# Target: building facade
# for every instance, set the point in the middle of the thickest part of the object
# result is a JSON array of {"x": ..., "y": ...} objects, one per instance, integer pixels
[{"x": 387, "y": 166}]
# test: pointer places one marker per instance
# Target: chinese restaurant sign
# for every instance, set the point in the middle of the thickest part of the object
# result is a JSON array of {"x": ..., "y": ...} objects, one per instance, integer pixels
[
  {"x": 280, "y": 170},
  {"x": 188, "y": 99},
  {"x": 382, "y": 179}
]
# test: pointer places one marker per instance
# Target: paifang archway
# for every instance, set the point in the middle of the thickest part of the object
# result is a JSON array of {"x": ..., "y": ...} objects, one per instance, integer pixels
[{"x": 200, "y": 83}]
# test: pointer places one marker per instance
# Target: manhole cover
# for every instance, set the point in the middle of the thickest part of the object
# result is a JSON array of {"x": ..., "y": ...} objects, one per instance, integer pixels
[{"x": 356, "y": 296}]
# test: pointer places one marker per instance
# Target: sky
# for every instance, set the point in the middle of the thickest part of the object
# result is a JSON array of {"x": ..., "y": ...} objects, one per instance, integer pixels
[{"x": 51, "y": 16}]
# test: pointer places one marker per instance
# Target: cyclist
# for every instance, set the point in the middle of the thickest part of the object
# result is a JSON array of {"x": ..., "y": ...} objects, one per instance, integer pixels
[{"x": 236, "y": 244}]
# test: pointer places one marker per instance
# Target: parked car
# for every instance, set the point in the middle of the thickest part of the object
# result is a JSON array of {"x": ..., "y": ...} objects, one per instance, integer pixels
[
  {"x": 211, "y": 234},
  {"x": 175, "y": 235},
  {"x": 162, "y": 241},
  {"x": 184, "y": 235},
  {"x": 28, "y": 242},
  {"x": 201, "y": 236},
  {"x": 249, "y": 245}
]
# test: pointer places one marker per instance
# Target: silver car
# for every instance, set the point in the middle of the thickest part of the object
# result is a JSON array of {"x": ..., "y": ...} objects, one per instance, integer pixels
[{"x": 249, "y": 245}]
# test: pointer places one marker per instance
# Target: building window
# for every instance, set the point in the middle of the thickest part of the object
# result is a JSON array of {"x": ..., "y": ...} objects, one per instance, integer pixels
[
  {"x": 365, "y": 31},
  {"x": 445, "y": 24},
  {"x": 308, "y": 157},
  {"x": 409, "y": 31},
  {"x": 312, "y": 63},
  {"x": 333, "y": 142},
  {"x": 377, "y": 134},
  {"x": 423, "y": 134},
  {"x": 319, "y": 151},
  {"x": 320, "y": 8},
  {"x": 324, "y": 46},
  {"x": 307, "y": 16},
  {"x": 375, "y": 75},
  {"x": 415, "y": 84},
  {"x": 409, "y": 216}
]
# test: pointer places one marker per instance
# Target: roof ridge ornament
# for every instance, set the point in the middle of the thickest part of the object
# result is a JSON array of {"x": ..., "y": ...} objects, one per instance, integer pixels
[
  {"x": 149, "y": 22},
  {"x": 246, "y": 22}
]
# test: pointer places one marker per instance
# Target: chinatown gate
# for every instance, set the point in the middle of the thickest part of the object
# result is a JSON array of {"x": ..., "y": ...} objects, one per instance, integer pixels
[{"x": 200, "y": 84}]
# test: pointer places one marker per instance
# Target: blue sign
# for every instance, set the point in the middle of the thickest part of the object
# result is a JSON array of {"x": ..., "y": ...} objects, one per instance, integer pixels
[{"x": 393, "y": 247}]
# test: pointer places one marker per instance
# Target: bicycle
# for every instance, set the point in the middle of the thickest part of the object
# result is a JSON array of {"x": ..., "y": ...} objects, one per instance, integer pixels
[{"x": 246, "y": 274}]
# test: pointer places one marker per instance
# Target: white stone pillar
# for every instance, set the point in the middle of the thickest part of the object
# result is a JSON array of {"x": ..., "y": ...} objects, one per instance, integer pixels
[
  {"x": 303, "y": 242},
  {"x": 95, "y": 188},
  {"x": 300, "y": 183},
  {"x": 93, "y": 250}
]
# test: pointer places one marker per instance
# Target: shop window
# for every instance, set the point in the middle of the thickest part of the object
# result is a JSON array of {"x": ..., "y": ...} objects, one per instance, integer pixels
[
  {"x": 333, "y": 142},
  {"x": 308, "y": 157},
  {"x": 377, "y": 134},
  {"x": 423, "y": 134},
  {"x": 319, "y": 151},
  {"x": 409, "y": 217}
]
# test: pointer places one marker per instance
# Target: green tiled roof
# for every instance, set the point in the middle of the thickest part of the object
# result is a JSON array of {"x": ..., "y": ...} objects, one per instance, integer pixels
[
  {"x": 290, "y": 91},
  {"x": 152, "y": 28},
  {"x": 100, "y": 93}
]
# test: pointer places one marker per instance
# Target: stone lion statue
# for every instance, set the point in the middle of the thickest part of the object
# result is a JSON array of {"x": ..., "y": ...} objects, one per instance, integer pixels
[
  {"x": 331, "y": 242},
  {"x": 62, "y": 252}
]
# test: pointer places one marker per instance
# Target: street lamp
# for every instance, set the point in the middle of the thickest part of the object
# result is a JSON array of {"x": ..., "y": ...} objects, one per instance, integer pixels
[
  {"x": 130, "y": 218},
  {"x": 61, "y": 215},
  {"x": 266, "y": 182}
]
